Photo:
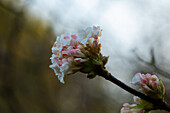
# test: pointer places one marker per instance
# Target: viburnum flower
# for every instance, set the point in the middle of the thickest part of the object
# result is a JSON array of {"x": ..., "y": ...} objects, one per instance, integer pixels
[
  {"x": 127, "y": 108},
  {"x": 77, "y": 52},
  {"x": 150, "y": 85},
  {"x": 140, "y": 106}
]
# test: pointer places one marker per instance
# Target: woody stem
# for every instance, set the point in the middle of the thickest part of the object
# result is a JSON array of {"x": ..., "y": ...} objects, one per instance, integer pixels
[{"x": 159, "y": 104}]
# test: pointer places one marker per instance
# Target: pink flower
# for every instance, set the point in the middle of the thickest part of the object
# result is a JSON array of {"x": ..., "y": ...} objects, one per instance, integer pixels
[
  {"x": 71, "y": 50},
  {"x": 150, "y": 85},
  {"x": 127, "y": 108}
]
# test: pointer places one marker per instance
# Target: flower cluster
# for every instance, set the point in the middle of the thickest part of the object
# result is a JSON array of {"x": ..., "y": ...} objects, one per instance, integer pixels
[
  {"x": 150, "y": 85},
  {"x": 140, "y": 106},
  {"x": 133, "y": 108},
  {"x": 70, "y": 51},
  {"x": 127, "y": 108}
]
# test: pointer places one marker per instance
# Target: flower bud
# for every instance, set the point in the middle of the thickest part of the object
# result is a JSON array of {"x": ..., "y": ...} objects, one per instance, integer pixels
[
  {"x": 137, "y": 99},
  {"x": 150, "y": 85},
  {"x": 127, "y": 108}
]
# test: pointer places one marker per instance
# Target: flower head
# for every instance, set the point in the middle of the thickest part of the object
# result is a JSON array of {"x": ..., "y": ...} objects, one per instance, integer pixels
[
  {"x": 73, "y": 52},
  {"x": 140, "y": 106},
  {"x": 127, "y": 108},
  {"x": 150, "y": 85}
]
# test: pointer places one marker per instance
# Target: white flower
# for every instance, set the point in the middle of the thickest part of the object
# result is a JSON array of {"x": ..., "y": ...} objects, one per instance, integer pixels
[
  {"x": 89, "y": 32},
  {"x": 67, "y": 50},
  {"x": 137, "y": 100},
  {"x": 84, "y": 35},
  {"x": 127, "y": 108}
]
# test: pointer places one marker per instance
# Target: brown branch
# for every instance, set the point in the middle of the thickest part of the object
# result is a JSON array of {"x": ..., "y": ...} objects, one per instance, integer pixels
[{"x": 104, "y": 73}]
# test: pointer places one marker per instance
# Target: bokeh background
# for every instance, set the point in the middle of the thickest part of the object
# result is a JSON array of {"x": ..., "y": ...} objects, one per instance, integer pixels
[{"x": 136, "y": 37}]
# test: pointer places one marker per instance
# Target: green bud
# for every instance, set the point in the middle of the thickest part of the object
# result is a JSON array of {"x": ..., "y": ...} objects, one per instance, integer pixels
[
  {"x": 91, "y": 75},
  {"x": 86, "y": 69},
  {"x": 96, "y": 62},
  {"x": 105, "y": 60}
]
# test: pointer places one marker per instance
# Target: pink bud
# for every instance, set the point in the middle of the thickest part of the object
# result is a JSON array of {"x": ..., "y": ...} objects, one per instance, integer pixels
[
  {"x": 143, "y": 85},
  {"x": 148, "y": 75},
  {"x": 74, "y": 36},
  {"x": 78, "y": 60},
  {"x": 66, "y": 37},
  {"x": 137, "y": 74},
  {"x": 65, "y": 54},
  {"x": 73, "y": 52},
  {"x": 126, "y": 105},
  {"x": 154, "y": 78},
  {"x": 64, "y": 48},
  {"x": 144, "y": 80}
]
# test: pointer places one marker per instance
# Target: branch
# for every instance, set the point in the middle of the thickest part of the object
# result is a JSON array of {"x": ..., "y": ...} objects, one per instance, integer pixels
[{"x": 104, "y": 73}]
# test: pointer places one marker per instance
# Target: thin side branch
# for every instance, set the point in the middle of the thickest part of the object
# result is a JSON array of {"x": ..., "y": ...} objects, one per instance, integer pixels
[{"x": 104, "y": 73}]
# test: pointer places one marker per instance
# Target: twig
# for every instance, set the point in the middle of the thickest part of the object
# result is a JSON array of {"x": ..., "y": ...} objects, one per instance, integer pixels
[{"x": 159, "y": 104}]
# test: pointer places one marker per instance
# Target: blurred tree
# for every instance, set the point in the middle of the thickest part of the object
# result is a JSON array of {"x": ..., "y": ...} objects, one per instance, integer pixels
[{"x": 27, "y": 85}]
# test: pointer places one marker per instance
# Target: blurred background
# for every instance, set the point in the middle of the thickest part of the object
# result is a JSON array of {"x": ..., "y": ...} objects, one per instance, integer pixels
[{"x": 136, "y": 37}]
